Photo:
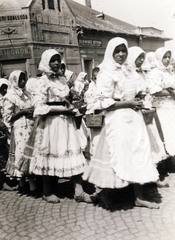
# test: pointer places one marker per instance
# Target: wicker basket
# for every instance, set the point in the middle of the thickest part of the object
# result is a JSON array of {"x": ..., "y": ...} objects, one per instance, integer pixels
[
  {"x": 148, "y": 115},
  {"x": 95, "y": 120}
]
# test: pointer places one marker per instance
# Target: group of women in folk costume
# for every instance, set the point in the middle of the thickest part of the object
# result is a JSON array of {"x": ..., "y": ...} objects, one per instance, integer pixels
[
  {"x": 45, "y": 140},
  {"x": 128, "y": 150}
]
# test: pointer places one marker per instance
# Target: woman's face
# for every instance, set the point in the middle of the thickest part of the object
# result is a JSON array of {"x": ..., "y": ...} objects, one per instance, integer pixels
[
  {"x": 166, "y": 59},
  {"x": 22, "y": 80},
  {"x": 55, "y": 63},
  {"x": 3, "y": 89},
  {"x": 63, "y": 69},
  {"x": 94, "y": 76},
  {"x": 139, "y": 60},
  {"x": 120, "y": 54}
]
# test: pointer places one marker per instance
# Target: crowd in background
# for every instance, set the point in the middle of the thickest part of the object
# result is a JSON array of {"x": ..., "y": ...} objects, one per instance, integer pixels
[{"x": 112, "y": 130}]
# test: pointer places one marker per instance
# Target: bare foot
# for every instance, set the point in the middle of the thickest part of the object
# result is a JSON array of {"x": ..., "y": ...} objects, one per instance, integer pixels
[
  {"x": 85, "y": 197},
  {"x": 144, "y": 203},
  {"x": 6, "y": 187},
  {"x": 51, "y": 198},
  {"x": 162, "y": 184}
]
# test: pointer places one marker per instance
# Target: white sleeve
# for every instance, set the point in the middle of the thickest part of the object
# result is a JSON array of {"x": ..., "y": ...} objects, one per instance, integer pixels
[{"x": 104, "y": 93}]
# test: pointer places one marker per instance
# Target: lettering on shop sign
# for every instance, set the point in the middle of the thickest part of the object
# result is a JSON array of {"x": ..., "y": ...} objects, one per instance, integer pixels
[
  {"x": 15, "y": 53},
  {"x": 13, "y": 17},
  {"x": 88, "y": 42}
]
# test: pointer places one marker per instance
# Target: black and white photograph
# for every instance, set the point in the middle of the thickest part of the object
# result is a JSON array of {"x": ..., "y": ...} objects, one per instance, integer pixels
[{"x": 87, "y": 120}]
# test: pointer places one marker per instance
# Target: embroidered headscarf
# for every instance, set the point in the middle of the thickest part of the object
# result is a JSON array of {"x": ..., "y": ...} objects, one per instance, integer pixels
[
  {"x": 45, "y": 60},
  {"x": 108, "y": 63},
  {"x": 133, "y": 54},
  {"x": 80, "y": 82},
  {"x": 159, "y": 53}
]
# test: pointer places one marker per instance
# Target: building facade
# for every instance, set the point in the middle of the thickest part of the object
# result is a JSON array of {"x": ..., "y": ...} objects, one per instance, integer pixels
[{"x": 79, "y": 33}]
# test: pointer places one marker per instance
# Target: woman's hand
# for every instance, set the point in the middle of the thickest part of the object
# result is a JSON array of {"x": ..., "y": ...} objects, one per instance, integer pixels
[
  {"x": 135, "y": 104},
  {"x": 67, "y": 103},
  {"x": 171, "y": 92},
  {"x": 141, "y": 95},
  {"x": 28, "y": 112}
]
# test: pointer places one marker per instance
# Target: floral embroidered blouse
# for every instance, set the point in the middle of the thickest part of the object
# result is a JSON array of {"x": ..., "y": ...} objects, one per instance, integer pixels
[{"x": 49, "y": 90}]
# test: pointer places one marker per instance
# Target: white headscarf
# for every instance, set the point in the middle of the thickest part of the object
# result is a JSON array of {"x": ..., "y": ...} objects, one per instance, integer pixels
[
  {"x": 133, "y": 54},
  {"x": 3, "y": 81},
  {"x": 109, "y": 64},
  {"x": 150, "y": 61},
  {"x": 45, "y": 60},
  {"x": 80, "y": 82},
  {"x": 159, "y": 53},
  {"x": 68, "y": 75}
]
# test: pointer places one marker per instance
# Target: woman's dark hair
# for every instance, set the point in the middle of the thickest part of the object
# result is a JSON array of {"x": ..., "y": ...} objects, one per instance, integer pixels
[
  {"x": 54, "y": 56},
  {"x": 95, "y": 69},
  {"x": 3, "y": 89}
]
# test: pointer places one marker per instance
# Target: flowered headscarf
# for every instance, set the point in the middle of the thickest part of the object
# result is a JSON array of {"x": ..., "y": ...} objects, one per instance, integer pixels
[
  {"x": 14, "y": 92},
  {"x": 159, "y": 53},
  {"x": 14, "y": 81},
  {"x": 109, "y": 64},
  {"x": 133, "y": 54},
  {"x": 45, "y": 60}
]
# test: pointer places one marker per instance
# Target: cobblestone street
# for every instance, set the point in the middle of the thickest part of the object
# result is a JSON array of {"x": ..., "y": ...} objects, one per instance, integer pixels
[{"x": 26, "y": 218}]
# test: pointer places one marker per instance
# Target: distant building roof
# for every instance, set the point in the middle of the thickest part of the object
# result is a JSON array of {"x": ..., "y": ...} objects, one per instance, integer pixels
[
  {"x": 88, "y": 18},
  {"x": 14, "y": 4}
]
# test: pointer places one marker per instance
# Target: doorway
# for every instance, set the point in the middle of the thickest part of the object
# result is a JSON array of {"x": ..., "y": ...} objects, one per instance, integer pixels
[{"x": 88, "y": 68}]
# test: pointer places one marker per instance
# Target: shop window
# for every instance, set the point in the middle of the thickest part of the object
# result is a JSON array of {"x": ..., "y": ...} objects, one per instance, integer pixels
[
  {"x": 51, "y": 4},
  {"x": 59, "y": 7},
  {"x": 43, "y": 4}
]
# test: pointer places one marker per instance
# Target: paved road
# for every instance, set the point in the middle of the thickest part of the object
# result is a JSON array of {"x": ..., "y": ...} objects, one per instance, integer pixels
[{"x": 25, "y": 218}]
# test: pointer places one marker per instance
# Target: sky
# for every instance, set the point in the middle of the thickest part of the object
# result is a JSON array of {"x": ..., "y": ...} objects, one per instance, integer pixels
[{"x": 144, "y": 13}]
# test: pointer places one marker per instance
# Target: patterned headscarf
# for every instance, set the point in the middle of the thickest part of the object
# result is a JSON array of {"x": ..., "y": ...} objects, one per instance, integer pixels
[
  {"x": 133, "y": 54},
  {"x": 159, "y": 53},
  {"x": 45, "y": 60},
  {"x": 14, "y": 81},
  {"x": 14, "y": 92},
  {"x": 109, "y": 64}
]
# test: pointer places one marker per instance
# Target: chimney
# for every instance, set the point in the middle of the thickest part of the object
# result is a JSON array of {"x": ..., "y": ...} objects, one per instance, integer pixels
[{"x": 88, "y": 3}]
